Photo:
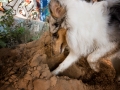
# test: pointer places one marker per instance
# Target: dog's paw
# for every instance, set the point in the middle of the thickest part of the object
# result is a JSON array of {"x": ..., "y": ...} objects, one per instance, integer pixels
[{"x": 55, "y": 72}]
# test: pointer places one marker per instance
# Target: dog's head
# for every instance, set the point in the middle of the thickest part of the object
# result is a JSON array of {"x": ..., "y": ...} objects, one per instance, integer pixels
[{"x": 59, "y": 41}]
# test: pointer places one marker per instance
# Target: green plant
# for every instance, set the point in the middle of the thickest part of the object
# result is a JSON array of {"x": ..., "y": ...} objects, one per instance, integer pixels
[{"x": 11, "y": 33}]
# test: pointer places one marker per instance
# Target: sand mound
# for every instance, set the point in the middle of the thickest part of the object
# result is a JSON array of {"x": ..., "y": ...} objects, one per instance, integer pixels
[{"x": 29, "y": 66}]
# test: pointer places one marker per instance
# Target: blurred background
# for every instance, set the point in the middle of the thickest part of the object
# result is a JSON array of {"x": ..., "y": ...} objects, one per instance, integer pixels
[
  {"x": 22, "y": 21},
  {"x": 32, "y": 9}
]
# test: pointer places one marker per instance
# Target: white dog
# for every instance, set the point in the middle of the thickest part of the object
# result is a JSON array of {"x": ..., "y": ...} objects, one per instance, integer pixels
[{"x": 89, "y": 31}]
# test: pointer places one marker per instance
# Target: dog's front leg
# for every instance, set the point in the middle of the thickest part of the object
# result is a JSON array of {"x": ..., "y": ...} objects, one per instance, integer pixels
[
  {"x": 99, "y": 53},
  {"x": 70, "y": 59}
]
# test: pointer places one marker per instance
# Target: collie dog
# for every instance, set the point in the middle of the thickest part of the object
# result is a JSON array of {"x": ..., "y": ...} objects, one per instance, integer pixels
[{"x": 92, "y": 29}]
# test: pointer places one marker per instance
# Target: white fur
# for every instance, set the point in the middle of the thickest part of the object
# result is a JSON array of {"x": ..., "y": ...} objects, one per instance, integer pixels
[{"x": 87, "y": 34}]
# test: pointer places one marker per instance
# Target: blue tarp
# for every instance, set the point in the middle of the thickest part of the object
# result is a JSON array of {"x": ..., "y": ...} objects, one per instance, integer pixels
[{"x": 44, "y": 9}]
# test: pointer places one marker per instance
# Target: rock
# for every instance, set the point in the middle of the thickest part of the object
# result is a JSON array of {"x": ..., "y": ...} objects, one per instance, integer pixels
[
  {"x": 12, "y": 72},
  {"x": 39, "y": 68},
  {"x": 22, "y": 84},
  {"x": 35, "y": 68},
  {"x": 53, "y": 81},
  {"x": 10, "y": 80},
  {"x": 13, "y": 77},
  {"x": 18, "y": 63},
  {"x": 6, "y": 78},
  {"x": 28, "y": 77},
  {"x": 28, "y": 72},
  {"x": 46, "y": 74},
  {"x": 40, "y": 84},
  {"x": 30, "y": 69},
  {"x": 35, "y": 74}
]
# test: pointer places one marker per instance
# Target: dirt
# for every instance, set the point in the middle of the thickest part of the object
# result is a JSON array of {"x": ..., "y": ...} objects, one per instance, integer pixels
[{"x": 28, "y": 67}]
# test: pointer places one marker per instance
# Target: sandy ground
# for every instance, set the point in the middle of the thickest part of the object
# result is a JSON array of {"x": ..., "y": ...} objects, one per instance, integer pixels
[{"x": 29, "y": 66}]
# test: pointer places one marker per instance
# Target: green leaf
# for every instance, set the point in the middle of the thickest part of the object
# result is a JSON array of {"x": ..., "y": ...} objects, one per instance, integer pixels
[{"x": 2, "y": 44}]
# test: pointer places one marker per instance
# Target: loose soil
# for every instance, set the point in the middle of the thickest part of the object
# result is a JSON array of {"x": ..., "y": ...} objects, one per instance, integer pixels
[{"x": 28, "y": 67}]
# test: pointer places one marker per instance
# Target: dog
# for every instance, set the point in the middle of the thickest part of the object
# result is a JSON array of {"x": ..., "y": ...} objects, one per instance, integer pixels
[{"x": 94, "y": 36}]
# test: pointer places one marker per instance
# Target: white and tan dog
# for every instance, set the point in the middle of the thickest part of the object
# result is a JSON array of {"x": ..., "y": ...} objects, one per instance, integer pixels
[{"x": 88, "y": 30}]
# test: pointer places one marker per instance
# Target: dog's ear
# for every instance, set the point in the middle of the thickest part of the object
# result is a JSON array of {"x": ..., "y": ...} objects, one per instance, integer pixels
[{"x": 56, "y": 10}]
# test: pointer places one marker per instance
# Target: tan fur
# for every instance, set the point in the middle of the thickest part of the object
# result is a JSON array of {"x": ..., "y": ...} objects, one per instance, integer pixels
[
  {"x": 60, "y": 42},
  {"x": 57, "y": 10}
]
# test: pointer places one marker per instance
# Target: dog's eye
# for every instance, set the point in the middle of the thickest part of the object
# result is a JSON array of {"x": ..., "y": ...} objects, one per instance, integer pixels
[
  {"x": 56, "y": 24},
  {"x": 55, "y": 35}
]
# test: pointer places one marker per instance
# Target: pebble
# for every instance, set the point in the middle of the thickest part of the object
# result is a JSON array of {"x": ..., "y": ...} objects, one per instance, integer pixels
[
  {"x": 28, "y": 77},
  {"x": 22, "y": 84},
  {"x": 53, "y": 81},
  {"x": 36, "y": 74},
  {"x": 31, "y": 69},
  {"x": 35, "y": 68},
  {"x": 13, "y": 77},
  {"x": 10, "y": 80},
  {"x": 39, "y": 68},
  {"x": 28, "y": 72}
]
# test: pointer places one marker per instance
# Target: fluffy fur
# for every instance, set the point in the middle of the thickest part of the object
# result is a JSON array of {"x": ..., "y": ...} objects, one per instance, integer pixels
[{"x": 90, "y": 37}]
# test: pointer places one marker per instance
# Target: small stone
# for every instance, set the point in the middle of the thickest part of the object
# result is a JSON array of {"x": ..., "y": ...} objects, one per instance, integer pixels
[
  {"x": 28, "y": 72},
  {"x": 31, "y": 69},
  {"x": 46, "y": 74},
  {"x": 22, "y": 84},
  {"x": 13, "y": 77},
  {"x": 39, "y": 68},
  {"x": 11, "y": 73},
  {"x": 28, "y": 77},
  {"x": 10, "y": 80},
  {"x": 40, "y": 84},
  {"x": 53, "y": 81},
  {"x": 18, "y": 63},
  {"x": 45, "y": 66},
  {"x": 36, "y": 74},
  {"x": 6, "y": 78},
  {"x": 35, "y": 68}
]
